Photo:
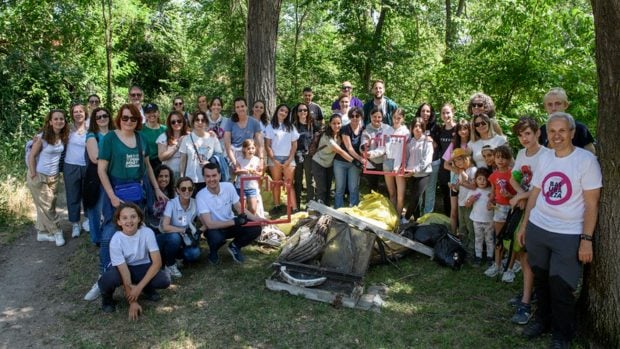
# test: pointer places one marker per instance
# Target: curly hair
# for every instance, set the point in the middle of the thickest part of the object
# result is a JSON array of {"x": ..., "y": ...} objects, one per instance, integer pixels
[{"x": 489, "y": 106}]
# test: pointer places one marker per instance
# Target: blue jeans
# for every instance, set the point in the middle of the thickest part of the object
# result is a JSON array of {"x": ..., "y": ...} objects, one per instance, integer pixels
[
  {"x": 242, "y": 236},
  {"x": 94, "y": 219},
  {"x": 111, "y": 279},
  {"x": 347, "y": 176},
  {"x": 169, "y": 247},
  {"x": 431, "y": 189}
]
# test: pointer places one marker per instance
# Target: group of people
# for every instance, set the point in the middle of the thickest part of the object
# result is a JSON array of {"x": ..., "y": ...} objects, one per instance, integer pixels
[{"x": 195, "y": 168}]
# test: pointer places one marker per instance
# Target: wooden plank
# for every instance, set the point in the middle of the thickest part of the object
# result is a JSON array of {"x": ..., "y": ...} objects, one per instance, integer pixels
[
  {"x": 315, "y": 294},
  {"x": 362, "y": 225}
]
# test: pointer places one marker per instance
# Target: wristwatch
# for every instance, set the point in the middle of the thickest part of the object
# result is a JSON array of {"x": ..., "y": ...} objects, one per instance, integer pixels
[{"x": 585, "y": 237}]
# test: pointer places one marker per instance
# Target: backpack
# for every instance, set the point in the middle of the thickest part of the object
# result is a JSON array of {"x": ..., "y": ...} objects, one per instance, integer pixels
[
  {"x": 27, "y": 150},
  {"x": 314, "y": 144}
]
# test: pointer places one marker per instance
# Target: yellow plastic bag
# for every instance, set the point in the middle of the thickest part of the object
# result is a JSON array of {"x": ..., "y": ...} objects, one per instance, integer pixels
[
  {"x": 435, "y": 218},
  {"x": 286, "y": 227},
  {"x": 375, "y": 209}
]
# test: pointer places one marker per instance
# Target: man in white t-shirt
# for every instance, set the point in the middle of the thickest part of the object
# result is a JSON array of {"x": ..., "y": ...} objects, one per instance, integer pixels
[{"x": 215, "y": 203}]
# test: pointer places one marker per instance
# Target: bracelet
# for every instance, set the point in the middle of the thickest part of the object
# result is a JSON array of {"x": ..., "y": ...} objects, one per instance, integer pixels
[{"x": 585, "y": 237}]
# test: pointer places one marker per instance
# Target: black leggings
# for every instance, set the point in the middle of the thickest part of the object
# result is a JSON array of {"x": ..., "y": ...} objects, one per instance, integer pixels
[{"x": 415, "y": 188}]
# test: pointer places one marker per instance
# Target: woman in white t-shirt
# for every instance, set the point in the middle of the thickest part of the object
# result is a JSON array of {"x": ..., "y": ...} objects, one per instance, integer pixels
[
  {"x": 196, "y": 150},
  {"x": 75, "y": 166},
  {"x": 483, "y": 134},
  {"x": 169, "y": 142},
  {"x": 281, "y": 144}
]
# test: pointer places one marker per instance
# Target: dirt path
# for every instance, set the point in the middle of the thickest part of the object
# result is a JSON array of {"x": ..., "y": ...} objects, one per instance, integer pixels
[{"x": 31, "y": 294}]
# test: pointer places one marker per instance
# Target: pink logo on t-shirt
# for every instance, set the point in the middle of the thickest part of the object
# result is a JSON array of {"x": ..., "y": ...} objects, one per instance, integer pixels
[{"x": 557, "y": 188}]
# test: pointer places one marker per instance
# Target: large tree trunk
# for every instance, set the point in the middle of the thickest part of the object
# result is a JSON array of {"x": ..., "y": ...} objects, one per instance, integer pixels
[
  {"x": 107, "y": 26},
  {"x": 260, "y": 56},
  {"x": 602, "y": 284}
]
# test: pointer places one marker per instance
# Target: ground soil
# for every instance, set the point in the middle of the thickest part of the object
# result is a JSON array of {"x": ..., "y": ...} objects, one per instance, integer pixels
[{"x": 31, "y": 293}]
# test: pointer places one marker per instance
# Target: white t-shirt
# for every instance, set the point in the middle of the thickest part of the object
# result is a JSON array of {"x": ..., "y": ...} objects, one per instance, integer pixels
[
  {"x": 248, "y": 164},
  {"x": 76, "y": 148},
  {"x": 479, "y": 211},
  {"x": 281, "y": 139},
  {"x": 560, "y": 205},
  {"x": 528, "y": 165},
  {"x": 395, "y": 146},
  {"x": 133, "y": 250},
  {"x": 374, "y": 139},
  {"x": 206, "y": 146},
  {"x": 220, "y": 205},
  {"x": 420, "y": 156},
  {"x": 476, "y": 148},
  {"x": 180, "y": 217},
  {"x": 175, "y": 160},
  {"x": 464, "y": 192}
]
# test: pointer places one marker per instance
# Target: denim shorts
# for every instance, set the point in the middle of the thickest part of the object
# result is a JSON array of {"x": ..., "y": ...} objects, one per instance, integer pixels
[
  {"x": 248, "y": 193},
  {"x": 500, "y": 212},
  {"x": 281, "y": 160}
]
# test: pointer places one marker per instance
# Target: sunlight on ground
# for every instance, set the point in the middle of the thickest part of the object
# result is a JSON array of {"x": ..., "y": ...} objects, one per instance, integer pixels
[{"x": 14, "y": 314}]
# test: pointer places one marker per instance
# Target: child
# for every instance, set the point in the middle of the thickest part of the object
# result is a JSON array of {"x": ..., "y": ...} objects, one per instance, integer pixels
[
  {"x": 480, "y": 214},
  {"x": 526, "y": 164},
  {"x": 463, "y": 173},
  {"x": 488, "y": 153},
  {"x": 418, "y": 167},
  {"x": 248, "y": 166},
  {"x": 501, "y": 192},
  {"x": 460, "y": 140},
  {"x": 135, "y": 255}
]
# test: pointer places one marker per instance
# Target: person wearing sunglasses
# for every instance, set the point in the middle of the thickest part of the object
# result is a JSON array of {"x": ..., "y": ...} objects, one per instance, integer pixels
[
  {"x": 135, "y": 96},
  {"x": 483, "y": 134},
  {"x": 346, "y": 173},
  {"x": 93, "y": 102},
  {"x": 169, "y": 142},
  {"x": 178, "y": 104},
  {"x": 347, "y": 89},
  {"x": 179, "y": 216},
  {"x": 306, "y": 129},
  {"x": 480, "y": 103}
]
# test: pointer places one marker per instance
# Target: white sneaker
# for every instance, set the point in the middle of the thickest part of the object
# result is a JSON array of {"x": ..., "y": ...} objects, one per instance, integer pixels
[
  {"x": 492, "y": 271},
  {"x": 94, "y": 292},
  {"x": 173, "y": 271},
  {"x": 60, "y": 240},
  {"x": 508, "y": 276},
  {"x": 516, "y": 267},
  {"x": 43, "y": 236},
  {"x": 86, "y": 225},
  {"x": 75, "y": 230}
]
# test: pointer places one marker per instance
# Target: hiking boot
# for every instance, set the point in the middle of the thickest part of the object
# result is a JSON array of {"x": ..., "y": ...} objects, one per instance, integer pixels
[
  {"x": 59, "y": 239},
  {"x": 492, "y": 271},
  {"x": 535, "y": 329},
  {"x": 152, "y": 296},
  {"x": 94, "y": 292},
  {"x": 107, "y": 304},
  {"x": 508, "y": 276},
  {"x": 559, "y": 344},
  {"x": 213, "y": 258},
  {"x": 522, "y": 315},
  {"x": 173, "y": 271},
  {"x": 43, "y": 236},
  {"x": 235, "y": 252},
  {"x": 75, "y": 230}
]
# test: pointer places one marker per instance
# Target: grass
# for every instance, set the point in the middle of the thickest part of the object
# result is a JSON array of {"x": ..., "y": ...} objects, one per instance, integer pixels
[
  {"x": 15, "y": 203},
  {"x": 428, "y": 306}
]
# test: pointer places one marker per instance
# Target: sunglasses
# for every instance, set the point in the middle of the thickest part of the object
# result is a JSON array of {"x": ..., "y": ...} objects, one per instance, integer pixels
[
  {"x": 199, "y": 120},
  {"x": 477, "y": 105},
  {"x": 347, "y": 87},
  {"x": 102, "y": 116},
  {"x": 478, "y": 124},
  {"x": 129, "y": 118},
  {"x": 93, "y": 101},
  {"x": 178, "y": 103},
  {"x": 185, "y": 189},
  {"x": 174, "y": 122}
]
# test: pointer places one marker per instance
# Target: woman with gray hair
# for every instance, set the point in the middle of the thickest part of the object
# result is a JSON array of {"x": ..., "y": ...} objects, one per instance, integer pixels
[
  {"x": 480, "y": 103},
  {"x": 561, "y": 216}
]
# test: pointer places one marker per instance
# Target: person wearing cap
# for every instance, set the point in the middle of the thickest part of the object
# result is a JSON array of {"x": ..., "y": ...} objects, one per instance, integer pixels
[
  {"x": 347, "y": 89},
  {"x": 150, "y": 132},
  {"x": 379, "y": 100}
]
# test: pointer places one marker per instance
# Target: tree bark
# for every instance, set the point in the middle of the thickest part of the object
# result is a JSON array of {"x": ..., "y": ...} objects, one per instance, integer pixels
[
  {"x": 107, "y": 27},
  {"x": 601, "y": 296},
  {"x": 260, "y": 56}
]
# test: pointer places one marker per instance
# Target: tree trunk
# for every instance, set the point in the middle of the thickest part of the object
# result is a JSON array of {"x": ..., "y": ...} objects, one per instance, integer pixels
[
  {"x": 107, "y": 27},
  {"x": 601, "y": 296},
  {"x": 260, "y": 56}
]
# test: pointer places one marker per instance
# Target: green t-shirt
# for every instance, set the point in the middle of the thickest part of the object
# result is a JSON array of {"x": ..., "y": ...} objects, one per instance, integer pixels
[
  {"x": 123, "y": 162},
  {"x": 150, "y": 136}
]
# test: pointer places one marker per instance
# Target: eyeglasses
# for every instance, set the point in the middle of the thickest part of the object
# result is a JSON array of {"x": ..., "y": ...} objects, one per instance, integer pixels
[
  {"x": 477, "y": 105},
  {"x": 184, "y": 189},
  {"x": 481, "y": 123},
  {"x": 199, "y": 120},
  {"x": 302, "y": 110},
  {"x": 347, "y": 87},
  {"x": 178, "y": 103},
  {"x": 93, "y": 101},
  {"x": 174, "y": 122},
  {"x": 102, "y": 116},
  {"x": 356, "y": 116},
  {"x": 129, "y": 118},
  {"x": 136, "y": 94}
]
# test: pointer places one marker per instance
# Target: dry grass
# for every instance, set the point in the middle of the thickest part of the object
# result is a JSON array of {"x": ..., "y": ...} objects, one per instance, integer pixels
[{"x": 16, "y": 207}]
